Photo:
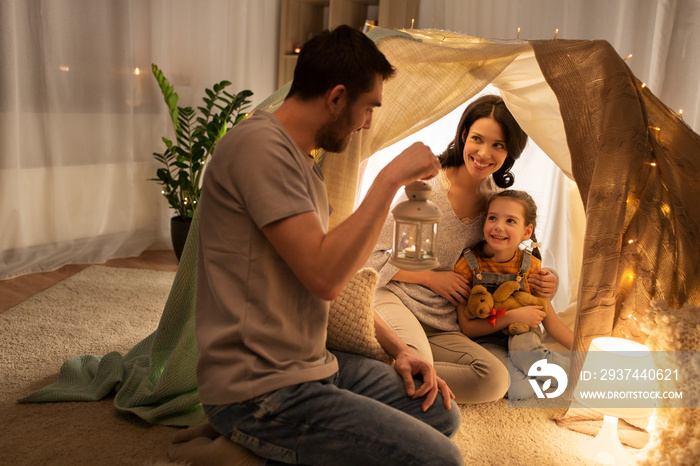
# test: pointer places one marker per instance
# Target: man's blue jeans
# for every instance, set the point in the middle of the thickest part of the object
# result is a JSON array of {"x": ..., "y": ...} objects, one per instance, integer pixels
[{"x": 359, "y": 416}]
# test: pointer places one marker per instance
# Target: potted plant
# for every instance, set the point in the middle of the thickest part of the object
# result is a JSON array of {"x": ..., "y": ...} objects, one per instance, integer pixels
[{"x": 196, "y": 134}]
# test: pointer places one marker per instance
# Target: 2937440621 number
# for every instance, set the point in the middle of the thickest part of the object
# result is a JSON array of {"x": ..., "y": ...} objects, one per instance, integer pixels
[{"x": 639, "y": 374}]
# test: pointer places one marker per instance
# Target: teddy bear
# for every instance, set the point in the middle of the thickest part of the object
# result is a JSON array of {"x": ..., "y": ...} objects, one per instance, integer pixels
[{"x": 483, "y": 305}]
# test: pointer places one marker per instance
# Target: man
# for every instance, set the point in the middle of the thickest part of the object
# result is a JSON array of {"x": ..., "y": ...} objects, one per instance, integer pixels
[{"x": 268, "y": 267}]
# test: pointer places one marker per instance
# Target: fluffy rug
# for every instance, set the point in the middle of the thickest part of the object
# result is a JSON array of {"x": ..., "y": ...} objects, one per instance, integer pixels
[{"x": 103, "y": 309}]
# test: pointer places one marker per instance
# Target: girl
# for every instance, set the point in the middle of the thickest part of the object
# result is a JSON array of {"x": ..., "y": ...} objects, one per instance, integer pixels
[{"x": 510, "y": 220}]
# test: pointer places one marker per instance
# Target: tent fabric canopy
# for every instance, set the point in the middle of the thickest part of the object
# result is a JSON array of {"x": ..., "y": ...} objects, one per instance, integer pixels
[{"x": 635, "y": 163}]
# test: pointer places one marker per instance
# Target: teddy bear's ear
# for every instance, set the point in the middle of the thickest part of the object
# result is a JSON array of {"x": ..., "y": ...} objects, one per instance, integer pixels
[{"x": 479, "y": 289}]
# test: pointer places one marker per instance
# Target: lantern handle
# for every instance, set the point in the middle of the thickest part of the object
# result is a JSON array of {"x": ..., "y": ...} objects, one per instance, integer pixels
[{"x": 419, "y": 190}]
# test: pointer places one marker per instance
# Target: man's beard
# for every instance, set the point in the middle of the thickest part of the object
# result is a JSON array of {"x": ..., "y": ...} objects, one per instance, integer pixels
[{"x": 334, "y": 135}]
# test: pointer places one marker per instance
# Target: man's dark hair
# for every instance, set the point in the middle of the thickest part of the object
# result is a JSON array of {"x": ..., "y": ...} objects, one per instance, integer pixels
[{"x": 344, "y": 56}]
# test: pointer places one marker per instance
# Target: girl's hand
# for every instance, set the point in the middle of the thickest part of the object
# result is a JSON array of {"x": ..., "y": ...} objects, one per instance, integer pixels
[
  {"x": 543, "y": 284},
  {"x": 450, "y": 285},
  {"x": 529, "y": 315}
]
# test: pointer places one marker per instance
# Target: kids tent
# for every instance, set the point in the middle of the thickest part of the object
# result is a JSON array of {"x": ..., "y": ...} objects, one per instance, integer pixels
[{"x": 634, "y": 161}]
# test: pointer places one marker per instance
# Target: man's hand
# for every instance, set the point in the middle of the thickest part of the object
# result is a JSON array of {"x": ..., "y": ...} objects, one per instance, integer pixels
[
  {"x": 416, "y": 162},
  {"x": 408, "y": 364},
  {"x": 543, "y": 284}
]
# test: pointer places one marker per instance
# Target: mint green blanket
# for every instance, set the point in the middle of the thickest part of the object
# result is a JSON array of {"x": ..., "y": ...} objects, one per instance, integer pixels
[{"x": 156, "y": 379}]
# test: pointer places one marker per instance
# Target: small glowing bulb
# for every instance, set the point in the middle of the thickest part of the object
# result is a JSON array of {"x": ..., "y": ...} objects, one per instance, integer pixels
[
  {"x": 162, "y": 192},
  {"x": 644, "y": 85},
  {"x": 653, "y": 164},
  {"x": 680, "y": 112},
  {"x": 64, "y": 68},
  {"x": 630, "y": 241},
  {"x": 137, "y": 71},
  {"x": 518, "y": 36},
  {"x": 556, "y": 32},
  {"x": 628, "y": 57},
  {"x": 412, "y": 21}
]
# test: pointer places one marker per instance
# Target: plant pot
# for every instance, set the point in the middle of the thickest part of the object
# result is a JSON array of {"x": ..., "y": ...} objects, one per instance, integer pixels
[{"x": 179, "y": 227}]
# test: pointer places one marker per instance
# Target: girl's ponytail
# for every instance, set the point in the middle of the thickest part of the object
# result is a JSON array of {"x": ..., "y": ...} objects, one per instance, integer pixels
[{"x": 535, "y": 246}]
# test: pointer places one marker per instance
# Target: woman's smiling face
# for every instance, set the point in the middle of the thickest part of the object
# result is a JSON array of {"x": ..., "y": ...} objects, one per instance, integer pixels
[{"x": 484, "y": 148}]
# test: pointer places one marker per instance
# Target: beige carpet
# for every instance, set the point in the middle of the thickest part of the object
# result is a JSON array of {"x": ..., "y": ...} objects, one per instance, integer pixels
[{"x": 103, "y": 309}]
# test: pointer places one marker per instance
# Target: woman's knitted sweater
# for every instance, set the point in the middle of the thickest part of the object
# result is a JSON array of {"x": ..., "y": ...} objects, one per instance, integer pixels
[{"x": 452, "y": 237}]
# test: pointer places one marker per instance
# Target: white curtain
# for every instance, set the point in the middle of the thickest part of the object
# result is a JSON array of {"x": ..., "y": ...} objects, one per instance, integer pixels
[
  {"x": 79, "y": 123},
  {"x": 663, "y": 38}
]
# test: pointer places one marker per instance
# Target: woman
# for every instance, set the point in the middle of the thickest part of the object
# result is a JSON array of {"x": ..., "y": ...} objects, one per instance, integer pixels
[{"x": 420, "y": 306}]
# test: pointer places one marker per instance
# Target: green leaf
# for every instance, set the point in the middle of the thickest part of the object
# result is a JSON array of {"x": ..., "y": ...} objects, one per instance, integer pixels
[
  {"x": 238, "y": 119},
  {"x": 169, "y": 95},
  {"x": 163, "y": 175},
  {"x": 222, "y": 131},
  {"x": 172, "y": 100}
]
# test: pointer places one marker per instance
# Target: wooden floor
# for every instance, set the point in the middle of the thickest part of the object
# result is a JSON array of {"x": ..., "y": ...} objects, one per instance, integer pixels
[{"x": 16, "y": 290}]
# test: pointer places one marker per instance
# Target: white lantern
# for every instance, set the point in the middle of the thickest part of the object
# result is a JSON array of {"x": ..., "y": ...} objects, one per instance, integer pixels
[{"x": 415, "y": 229}]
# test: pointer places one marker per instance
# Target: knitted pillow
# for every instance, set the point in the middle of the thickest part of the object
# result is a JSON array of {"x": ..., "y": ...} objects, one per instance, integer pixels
[{"x": 351, "y": 318}]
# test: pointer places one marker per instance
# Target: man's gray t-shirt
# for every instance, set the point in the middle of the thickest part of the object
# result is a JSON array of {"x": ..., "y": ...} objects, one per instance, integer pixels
[{"x": 258, "y": 328}]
